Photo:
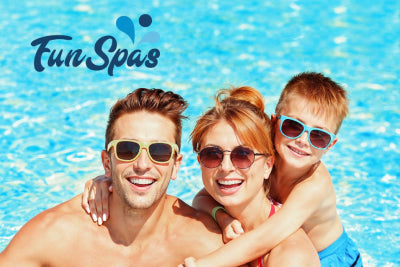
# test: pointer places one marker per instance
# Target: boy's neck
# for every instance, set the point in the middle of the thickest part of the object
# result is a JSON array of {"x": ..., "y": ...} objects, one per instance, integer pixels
[{"x": 284, "y": 178}]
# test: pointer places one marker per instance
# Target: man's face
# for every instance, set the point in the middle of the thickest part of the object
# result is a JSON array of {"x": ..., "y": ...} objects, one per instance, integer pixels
[{"x": 142, "y": 182}]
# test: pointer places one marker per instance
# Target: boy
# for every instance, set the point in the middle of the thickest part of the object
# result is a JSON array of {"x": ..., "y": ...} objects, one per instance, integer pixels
[{"x": 308, "y": 116}]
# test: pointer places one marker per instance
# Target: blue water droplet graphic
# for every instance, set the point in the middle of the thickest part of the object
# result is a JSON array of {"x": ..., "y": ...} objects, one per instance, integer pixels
[
  {"x": 125, "y": 25},
  {"x": 150, "y": 37}
]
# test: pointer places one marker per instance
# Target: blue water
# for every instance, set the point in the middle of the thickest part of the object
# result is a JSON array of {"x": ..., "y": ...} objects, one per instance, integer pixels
[{"x": 52, "y": 123}]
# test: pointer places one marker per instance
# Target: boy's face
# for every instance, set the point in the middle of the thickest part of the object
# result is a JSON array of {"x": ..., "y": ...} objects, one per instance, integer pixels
[{"x": 298, "y": 152}]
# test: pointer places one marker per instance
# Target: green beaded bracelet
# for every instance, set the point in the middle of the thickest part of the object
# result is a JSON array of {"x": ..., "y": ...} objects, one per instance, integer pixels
[{"x": 214, "y": 211}]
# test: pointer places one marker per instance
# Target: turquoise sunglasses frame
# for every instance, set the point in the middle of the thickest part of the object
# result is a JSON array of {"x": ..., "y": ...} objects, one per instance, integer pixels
[
  {"x": 142, "y": 145},
  {"x": 305, "y": 128}
]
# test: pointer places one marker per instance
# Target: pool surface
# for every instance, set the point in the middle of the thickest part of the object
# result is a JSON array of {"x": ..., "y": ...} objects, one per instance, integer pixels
[{"x": 52, "y": 122}]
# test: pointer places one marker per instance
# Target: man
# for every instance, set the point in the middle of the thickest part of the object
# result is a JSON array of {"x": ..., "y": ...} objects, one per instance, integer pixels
[{"x": 147, "y": 227}]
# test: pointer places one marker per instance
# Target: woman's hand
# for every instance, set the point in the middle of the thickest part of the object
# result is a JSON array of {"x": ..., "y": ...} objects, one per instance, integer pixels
[
  {"x": 231, "y": 228},
  {"x": 95, "y": 198}
]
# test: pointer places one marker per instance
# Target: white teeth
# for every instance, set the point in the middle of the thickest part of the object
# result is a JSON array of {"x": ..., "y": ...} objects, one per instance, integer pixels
[
  {"x": 298, "y": 151},
  {"x": 229, "y": 182},
  {"x": 141, "y": 181}
]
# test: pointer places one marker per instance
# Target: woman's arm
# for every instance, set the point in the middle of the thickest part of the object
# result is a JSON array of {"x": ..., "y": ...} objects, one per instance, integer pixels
[
  {"x": 95, "y": 198},
  {"x": 231, "y": 228}
]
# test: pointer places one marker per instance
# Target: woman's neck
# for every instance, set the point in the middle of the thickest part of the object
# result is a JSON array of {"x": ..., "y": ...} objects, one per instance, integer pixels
[{"x": 253, "y": 213}]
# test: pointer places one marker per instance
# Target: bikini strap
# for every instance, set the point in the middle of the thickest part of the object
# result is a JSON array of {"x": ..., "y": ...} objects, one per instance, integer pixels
[{"x": 272, "y": 211}]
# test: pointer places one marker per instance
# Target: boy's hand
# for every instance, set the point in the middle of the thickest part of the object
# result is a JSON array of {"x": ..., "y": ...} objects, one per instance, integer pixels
[
  {"x": 95, "y": 198},
  {"x": 188, "y": 262},
  {"x": 231, "y": 228}
]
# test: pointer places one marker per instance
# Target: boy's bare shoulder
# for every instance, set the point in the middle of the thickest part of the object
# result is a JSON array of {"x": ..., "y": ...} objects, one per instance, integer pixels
[{"x": 319, "y": 177}]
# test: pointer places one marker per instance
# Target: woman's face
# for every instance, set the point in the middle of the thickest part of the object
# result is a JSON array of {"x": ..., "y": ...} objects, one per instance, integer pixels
[{"x": 227, "y": 184}]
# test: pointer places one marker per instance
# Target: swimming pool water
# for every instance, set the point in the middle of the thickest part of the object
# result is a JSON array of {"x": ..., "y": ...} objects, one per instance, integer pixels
[{"x": 52, "y": 122}]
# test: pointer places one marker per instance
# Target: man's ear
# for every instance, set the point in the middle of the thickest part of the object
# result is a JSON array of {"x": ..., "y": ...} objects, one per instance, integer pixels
[
  {"x": 177, "y": 164},
  {"x": 105, "y": 159}
]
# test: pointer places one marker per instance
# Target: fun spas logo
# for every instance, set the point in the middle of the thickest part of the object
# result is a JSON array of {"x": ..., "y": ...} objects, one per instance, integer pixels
[{"x": 108, "y": 55}]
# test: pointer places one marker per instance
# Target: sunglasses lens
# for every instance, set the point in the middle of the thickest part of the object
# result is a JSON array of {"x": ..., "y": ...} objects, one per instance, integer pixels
[
  {"x": 320, "y": 139},
  {"x": 291, "y": 128},
  {"x": 127, "y": 150},
  {"x": 160, "y": 152},
  {"x": 242, "y": 157},
  {"x": 211, "y": 157}
]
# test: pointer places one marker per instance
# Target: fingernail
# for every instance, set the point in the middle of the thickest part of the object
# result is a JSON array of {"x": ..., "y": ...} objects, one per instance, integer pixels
[
  {"x": 88, "y": 210},
  {"x": 104, "y": 217},
  {"x": 94, "y": 217},
  {"x": 99, "y": 221}
]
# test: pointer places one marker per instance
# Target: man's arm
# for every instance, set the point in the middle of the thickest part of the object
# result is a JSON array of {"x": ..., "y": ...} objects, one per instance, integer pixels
[{"x": 301, "y": 204}]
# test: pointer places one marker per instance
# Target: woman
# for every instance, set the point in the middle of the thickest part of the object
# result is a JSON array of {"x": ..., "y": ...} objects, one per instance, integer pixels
[{"x": 236, "y": 155}]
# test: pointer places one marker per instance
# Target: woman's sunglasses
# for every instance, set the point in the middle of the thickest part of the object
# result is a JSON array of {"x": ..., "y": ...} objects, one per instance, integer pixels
[
  {"x": 292, "y": 128},
  {"x": 241, "y": 157},
  {"x": 129, "y": 150}
]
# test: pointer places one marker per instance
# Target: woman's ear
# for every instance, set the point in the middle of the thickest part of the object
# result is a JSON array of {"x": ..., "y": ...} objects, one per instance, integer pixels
[
  {"x": 105, "y": 159},
  {"x": 269, "y": 164}
]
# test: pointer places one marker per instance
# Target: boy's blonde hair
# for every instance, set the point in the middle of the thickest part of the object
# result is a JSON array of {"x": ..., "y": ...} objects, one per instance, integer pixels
[{"x": 329, "y": 98}]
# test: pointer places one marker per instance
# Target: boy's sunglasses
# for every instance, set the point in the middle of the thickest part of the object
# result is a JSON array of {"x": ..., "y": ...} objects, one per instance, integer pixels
[
  {"x": 292, "y": 128},
  {"x": 241, "y": 157},
  {"x": 129, "y": 150}
]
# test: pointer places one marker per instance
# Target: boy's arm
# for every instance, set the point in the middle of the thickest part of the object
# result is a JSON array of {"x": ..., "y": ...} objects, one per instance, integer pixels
[{"x": 303, "y": 201}]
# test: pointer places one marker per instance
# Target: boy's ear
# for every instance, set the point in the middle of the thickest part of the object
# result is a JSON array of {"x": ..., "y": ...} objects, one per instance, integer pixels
[
  {"x": 331, "y": 145},
  {"x": 105, "y": 159},
  {"x": 273, "y": 118}
]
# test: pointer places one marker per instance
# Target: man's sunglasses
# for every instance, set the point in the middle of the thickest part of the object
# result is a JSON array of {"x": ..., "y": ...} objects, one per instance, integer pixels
[
  {"x": 292, "y": 128},
  {"x": 241, "y": 157},
  {"x": 129, "y": 150}
]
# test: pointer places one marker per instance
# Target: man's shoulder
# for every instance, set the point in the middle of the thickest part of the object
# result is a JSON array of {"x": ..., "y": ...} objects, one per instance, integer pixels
[
  {"x": 65, "y": 215},
  {"x": 196, "y": 226},
  {"x": 193, "y": 217},
  {"x": 47, "y": 232}
]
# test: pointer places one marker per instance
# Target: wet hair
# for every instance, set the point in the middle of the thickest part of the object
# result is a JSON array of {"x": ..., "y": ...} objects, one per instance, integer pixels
[
  {"x": 326, "y": 96},
  {"x": 167, "y": 104},
  {"x": 243, "y": 109}
]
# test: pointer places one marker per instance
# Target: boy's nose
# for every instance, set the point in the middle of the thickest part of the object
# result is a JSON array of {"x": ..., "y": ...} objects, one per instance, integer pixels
[{"x": 303, "y": 138}]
